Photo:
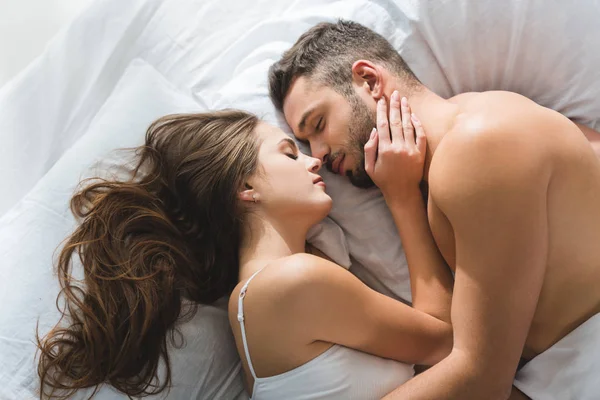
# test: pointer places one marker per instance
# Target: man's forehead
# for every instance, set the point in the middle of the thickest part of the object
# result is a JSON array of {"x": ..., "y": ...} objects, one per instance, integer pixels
[{"x": 302, "y": 96}]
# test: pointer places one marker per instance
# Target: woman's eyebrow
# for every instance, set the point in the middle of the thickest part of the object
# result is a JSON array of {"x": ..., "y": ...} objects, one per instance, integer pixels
[{"x": 290, "y": 142}]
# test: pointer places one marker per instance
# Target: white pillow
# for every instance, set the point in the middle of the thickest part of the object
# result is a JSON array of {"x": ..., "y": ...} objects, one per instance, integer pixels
[{"x": 208, "y": 366}]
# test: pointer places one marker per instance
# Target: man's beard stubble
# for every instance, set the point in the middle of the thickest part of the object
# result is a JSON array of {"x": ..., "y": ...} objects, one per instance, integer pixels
[{"x": 360, "y": 127}]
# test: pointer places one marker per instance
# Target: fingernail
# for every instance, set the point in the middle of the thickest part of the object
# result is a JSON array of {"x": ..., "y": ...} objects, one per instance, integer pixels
[
  {"x": 382, "y": 100},
  {"x": 373, "y": 133},
  {"x": 395, "y": 95},
  {"x": 415, "y": 119},
  {"x": 404, "y": 102}
]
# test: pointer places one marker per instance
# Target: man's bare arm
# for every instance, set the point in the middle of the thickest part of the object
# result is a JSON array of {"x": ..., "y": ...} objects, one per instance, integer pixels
[{"x": 496, "y": 203}]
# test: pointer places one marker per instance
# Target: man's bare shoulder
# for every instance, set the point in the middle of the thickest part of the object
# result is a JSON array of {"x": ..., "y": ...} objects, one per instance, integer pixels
[
  {"x": 498, "y": 111},
  {"x": 498, "y": 139},
  {"x": 496, "y": 123},
  {"x": 479, "y": 99}
]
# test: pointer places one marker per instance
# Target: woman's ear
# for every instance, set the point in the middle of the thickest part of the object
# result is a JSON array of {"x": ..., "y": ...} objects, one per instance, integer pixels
[
  {"x": 368, "y": 76},
  {"x": 248, "y": 194}
]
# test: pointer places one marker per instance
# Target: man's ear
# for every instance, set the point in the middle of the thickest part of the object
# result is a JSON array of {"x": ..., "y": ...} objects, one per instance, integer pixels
[{"x": 368, "y": 76}]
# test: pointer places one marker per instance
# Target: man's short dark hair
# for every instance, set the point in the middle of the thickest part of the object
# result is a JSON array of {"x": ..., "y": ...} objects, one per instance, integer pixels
[{"x": 326, "y": 53}]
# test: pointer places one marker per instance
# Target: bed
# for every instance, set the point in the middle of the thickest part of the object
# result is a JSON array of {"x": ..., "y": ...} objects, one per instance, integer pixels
[{"x": 121, "y": 64}]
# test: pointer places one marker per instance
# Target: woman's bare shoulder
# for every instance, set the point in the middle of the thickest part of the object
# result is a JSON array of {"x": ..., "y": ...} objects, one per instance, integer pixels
[{"x": 287, "y": 279}]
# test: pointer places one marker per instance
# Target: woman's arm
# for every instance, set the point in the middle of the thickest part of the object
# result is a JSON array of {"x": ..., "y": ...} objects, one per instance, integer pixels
[
  {"x": 430, "y": 278},
  {"x": 398, "y": 170},
  {"x": 316, "y": 300}
]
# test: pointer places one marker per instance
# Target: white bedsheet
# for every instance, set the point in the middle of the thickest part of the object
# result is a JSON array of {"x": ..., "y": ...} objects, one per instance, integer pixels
[
  {"x": 569, "y": 370},
  {"x": 218, "y": 51}
]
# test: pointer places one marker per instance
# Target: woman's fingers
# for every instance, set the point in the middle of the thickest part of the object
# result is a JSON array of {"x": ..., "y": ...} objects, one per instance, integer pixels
[
  {"x": 420, "y": 133},
  {"x": 371, "y": 152},
  {"x": 398, "y": 127},
  {"x": 396, "y": 119},
  {"x": 383, "y": 126},
  {"x": 407, "y": 125}
]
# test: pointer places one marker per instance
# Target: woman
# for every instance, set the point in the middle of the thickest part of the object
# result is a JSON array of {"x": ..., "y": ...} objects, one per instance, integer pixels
[{"x": 220, "y": 204}]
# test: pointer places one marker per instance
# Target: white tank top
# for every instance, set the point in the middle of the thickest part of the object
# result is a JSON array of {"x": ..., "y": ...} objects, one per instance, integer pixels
[{"x": 338, "y": 373}]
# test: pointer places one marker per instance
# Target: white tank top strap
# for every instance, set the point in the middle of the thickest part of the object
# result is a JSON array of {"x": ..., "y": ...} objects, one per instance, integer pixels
[{"x": 240, "y": 318}]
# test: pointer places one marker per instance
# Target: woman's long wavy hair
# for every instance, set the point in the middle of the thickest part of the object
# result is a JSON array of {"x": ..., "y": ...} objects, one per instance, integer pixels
[{"x": 169, "y": 232}]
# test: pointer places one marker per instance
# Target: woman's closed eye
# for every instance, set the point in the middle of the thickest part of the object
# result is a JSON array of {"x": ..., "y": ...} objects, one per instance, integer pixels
[{"x": 289, "y": 148}]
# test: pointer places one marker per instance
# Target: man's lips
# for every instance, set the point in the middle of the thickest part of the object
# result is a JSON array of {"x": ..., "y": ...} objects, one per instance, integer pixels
[{"x": 339, "y": 164}]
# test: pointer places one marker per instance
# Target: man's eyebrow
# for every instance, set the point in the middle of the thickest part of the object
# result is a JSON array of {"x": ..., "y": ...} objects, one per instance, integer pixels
[
  {"x": 305, "y": 116},
  {"x": 290, "y": 142}
]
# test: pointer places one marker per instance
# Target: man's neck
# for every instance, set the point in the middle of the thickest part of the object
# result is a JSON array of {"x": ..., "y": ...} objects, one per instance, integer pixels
[{"x": 437, "y": 116}]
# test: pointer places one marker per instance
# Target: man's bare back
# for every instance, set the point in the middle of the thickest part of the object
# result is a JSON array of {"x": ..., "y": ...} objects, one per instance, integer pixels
[{"x": 569, "y": 294}]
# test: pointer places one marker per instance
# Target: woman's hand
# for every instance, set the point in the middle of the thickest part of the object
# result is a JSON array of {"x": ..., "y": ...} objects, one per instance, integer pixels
[
  {"x": 395, "y": 152},
  {"x": 394, "y": 159}
]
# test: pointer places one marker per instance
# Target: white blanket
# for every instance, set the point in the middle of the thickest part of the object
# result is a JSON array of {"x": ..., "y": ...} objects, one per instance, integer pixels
[{"x": 218, "y": 52}]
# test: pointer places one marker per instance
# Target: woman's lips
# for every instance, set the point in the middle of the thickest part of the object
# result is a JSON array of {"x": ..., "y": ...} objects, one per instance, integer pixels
[{"x": 319, "y": 182}]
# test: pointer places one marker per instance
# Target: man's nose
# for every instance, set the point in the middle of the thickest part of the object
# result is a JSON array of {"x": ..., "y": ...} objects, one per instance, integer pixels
[{"x": 320, "y": 151}]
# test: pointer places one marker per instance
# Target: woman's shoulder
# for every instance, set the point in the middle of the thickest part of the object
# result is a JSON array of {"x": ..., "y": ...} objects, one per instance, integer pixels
[
  {"x": 301, "y": 271},
  {"x": 288, "y": 279},
  {"x": 286, "y": 275}
]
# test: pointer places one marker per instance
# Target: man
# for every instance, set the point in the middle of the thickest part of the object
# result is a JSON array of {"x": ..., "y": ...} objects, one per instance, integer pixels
[{"x": 513, "y": 200}]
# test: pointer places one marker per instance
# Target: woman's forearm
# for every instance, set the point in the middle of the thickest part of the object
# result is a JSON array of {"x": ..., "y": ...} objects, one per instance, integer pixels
[{"x": 430, "y": 278}]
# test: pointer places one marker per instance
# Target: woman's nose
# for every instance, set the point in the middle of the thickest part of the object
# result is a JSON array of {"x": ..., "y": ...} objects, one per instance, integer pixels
[{"x": 314, "y": 164}]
